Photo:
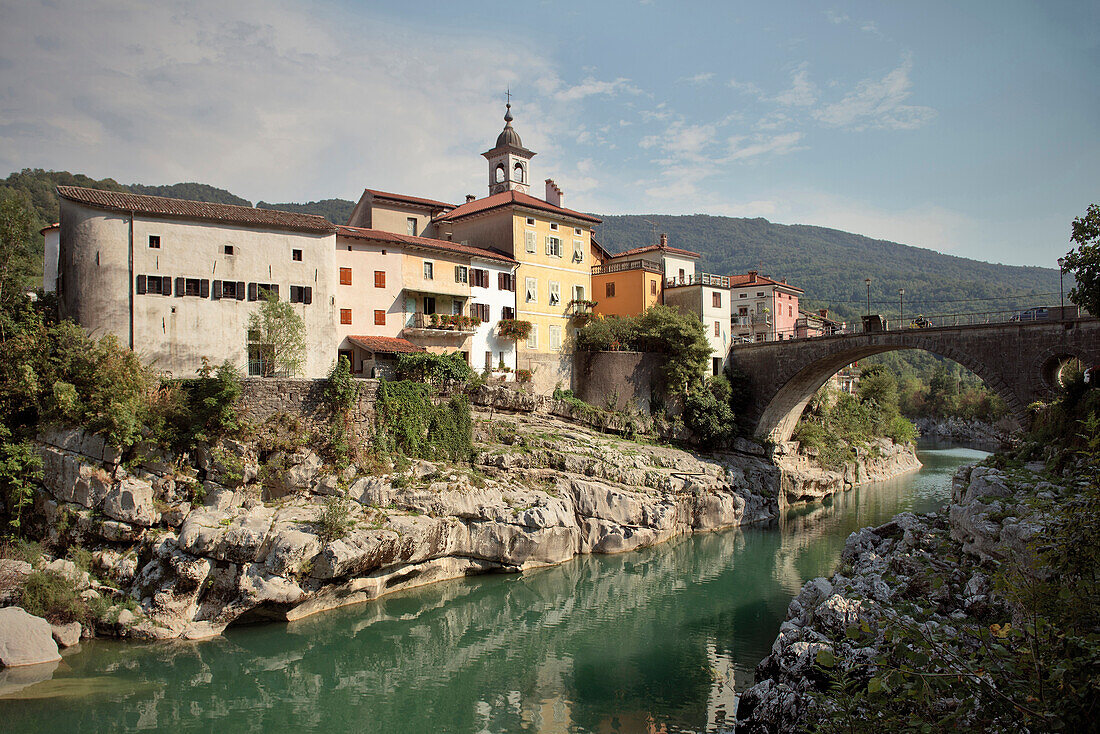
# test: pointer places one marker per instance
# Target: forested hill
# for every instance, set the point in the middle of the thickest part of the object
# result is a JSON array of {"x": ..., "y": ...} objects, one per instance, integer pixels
[
  {"x": 831, "y": 265},
  {"x": 828, "y": 264}
]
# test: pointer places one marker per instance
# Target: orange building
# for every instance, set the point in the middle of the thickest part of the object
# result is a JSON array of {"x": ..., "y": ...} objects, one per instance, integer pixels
[{"x": 630, "y": 282}]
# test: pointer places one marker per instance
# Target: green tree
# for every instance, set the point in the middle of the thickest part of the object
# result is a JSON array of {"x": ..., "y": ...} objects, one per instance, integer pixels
[
  {"x": 1084, "y": 261},
  {"x": 277, "y": 335},
  {"x": 17, "y": 258}
]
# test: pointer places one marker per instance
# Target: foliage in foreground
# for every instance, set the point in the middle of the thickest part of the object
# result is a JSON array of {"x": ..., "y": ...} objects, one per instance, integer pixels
[{"x": 1084, "y": 260}]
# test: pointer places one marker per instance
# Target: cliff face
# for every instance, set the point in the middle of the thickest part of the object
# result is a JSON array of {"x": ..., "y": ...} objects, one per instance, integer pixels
[{"x": 803, "y": 480}]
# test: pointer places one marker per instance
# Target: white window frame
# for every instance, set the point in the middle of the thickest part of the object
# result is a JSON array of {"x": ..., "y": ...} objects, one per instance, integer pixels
[
  {"x": 462, "y": 274},
  {"x": 553, "y": 246},
  {"x": 577, "y": 231},
  {"x": 554, "y": 297},
  {"x": 532, "y": 240},
  {"x": 530, "y": 221},
  {"x": 578, "y": 251},
  {"x": 555, "y": 338},
  {"x": 553, "y": 226},
  {"x": 412, "y": 226},
  {"x": 578, "y": 293},
  {"x": 533, "y": 337},
  {"x": 531, "y": 288},
  {"x": 429, "y": 270}
]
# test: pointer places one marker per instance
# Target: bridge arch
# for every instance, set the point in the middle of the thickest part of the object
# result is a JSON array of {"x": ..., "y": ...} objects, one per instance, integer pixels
[{"x": 1019, "y": 362}]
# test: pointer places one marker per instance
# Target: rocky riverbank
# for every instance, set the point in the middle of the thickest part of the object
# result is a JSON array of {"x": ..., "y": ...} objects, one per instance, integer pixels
[
  {"x": 805, "y": 480},
  {"x": 928, "y": 573},
  {"x": 979, "y": 434},
  {"x": 185, "y": 546}
]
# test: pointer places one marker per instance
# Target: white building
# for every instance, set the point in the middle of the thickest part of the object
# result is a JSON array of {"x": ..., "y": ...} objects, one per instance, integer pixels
[
  {"x": 707, "y": 297},
  {"x": 52, "y": 242},
  {"x": 492, "y": 298},
  {"x": 177, "y": 280}
]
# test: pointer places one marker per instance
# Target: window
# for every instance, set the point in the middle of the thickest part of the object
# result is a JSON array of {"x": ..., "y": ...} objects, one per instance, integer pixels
[
  {"x": 533, "y": 337},
  {"x": 379, "y": 317},
  {"x": 296, "y": 255},
  {"x": 429, "y": 270},
  {"x": 480, "y": 311},
  {"x": 479, "y": 278},
  {"x": 577, "y": 231},
  {"x": 530, "y": 221},
  {"x": 488, "y": 360},
  {"x": 743, "y": 311},
  {"x": 410, "y": 226},
  {"x": 742, "y": 295},
  {"x": 379, "y": 278},
  {"x": 553, "y": 226},
  {"x": 345, "y": 316},
  {"x": 759, "y": 337},
  {"x": 555, "y": 293},
  {"x": 345, "y": 276},
  {"x": 228, "y": 249},
  {"x": 578, "y": 293},
  {"x": 760, "y": 294},
  {"x": 716, "y": 366},
  {"x": 506, "y": 282},
  {"x": 681, "y": 275},
  {"x": 652, "y": 287},
  {"x": 456, "y": 307},
  {"x": 462, "y": 274},
  {"x": 154, "y": 241},
  {"x": 262, "y": 291},
  {"x": 716, "y": 299},
  {"x": 555, "y": 338},
  {"x": 532, "y": 290},
  {"x": 718, "y": 328},
  {"x": 499, "y": 174},
  {"x": 553, "y": 246},
  {"x": 517, "y": 172},
  {"x": 789, "y": 312},
  {"x": 610, "y": 288},
  {"x": 228, "y": 289},
  {"x": 508, "y": 312},
  {"x": 192, "y": 286},
  {"x": 429, "y": 304},
  {"x": 578, "y": 251},
  {"x": 530, "y": 239},
  {"x": 155, "y": 285},
  {"x": 301, "y": 294}
]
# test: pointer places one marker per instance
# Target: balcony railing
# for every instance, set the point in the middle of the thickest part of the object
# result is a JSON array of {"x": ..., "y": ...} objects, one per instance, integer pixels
[
  {"x": 716, "y": 281},
  {"x": 621, "y": 267},
  {"x": 752, "y": 320},
  {"x": 580, "y": 308},
  {"x": 443, "y": 322}
]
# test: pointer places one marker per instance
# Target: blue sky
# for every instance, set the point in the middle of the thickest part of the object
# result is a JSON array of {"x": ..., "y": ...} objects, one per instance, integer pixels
[{"x": 969, "y": 128}]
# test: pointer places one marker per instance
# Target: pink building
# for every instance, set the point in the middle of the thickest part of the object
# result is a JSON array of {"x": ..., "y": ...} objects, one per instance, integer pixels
[{"x": 763, "y": 309}]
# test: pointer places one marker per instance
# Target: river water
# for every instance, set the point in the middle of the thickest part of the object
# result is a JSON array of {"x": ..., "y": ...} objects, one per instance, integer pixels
[{"x": 655, "y": 641}]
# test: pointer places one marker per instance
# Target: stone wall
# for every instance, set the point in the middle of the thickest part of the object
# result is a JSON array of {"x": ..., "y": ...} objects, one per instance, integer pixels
[
  {"x": 548, "y": 371},
  {"x": 625, "y": 378},
  {"x": 263, "y": 397}
]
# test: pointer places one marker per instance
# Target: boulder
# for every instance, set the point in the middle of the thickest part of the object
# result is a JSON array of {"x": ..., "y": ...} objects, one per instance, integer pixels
[
  {"x": 131, "y": 501},
  {"x": 66, "y": 635},
  {"x": 25, "y": 639}
]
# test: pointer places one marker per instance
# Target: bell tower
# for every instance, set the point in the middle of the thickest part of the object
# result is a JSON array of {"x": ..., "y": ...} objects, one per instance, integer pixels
[{"x": 509, "y": 161}]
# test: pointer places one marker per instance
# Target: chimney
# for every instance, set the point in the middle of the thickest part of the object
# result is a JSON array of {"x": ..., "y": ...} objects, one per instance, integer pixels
[
  {"x": 823, "y": 312},
  {"x": 470, "y": 197},
  {"x": 553, "y": 193},
  {"x": 752, "y": 276},
  {"x": 664, "y": 240},
  {"x": 783, "y": 281}
]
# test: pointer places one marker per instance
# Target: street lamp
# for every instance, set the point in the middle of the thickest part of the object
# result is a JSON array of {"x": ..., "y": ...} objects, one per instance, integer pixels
[
  {"x": 1061, "y": 298},
  {"x": 901, "y": 297},
  {"x": 868, "y": 282}
]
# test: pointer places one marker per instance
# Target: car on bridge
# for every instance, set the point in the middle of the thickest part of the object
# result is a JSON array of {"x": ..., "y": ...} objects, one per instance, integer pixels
[{"x": 1036, "y": 313}]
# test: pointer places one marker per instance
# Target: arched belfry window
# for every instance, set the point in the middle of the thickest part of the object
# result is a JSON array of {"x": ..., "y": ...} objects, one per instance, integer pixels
[
  {"x": 501, "y": 173},
  {"x": 518, "y": 173}
]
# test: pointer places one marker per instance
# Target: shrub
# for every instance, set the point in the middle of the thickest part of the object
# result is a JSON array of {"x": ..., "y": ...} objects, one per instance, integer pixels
[
  {"x": 524, "y": 376},
  {"x": 431, "y": 368},
  {"x": 409, "y": 423},
  {"x": 708, "y": 414},
  {"x": 53, "y": 596},
  {"x": 334, "y": 522},
  {"x": 341, "y": 394}
]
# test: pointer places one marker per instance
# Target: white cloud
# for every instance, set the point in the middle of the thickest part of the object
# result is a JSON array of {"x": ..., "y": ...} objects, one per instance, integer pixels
[
  {"x": 741, "y": 149},
  {"x": 698, "y": 79},
  {"x": 802, "y": 92},
  {"x": 745, "y": 87},
  {"x": 590, "y": 87},
  {"x": 878, "y": 103}
]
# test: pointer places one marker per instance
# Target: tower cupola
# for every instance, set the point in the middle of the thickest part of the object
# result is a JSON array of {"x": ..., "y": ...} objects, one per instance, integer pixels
[{"x": 509, "y": 161}]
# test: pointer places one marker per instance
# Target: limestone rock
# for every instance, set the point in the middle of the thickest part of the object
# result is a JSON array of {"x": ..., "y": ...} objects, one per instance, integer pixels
[
  {"x": 66, "y": 635},
  {"x": 25, "y": 639},
  {"x": 131, "y": 501}
]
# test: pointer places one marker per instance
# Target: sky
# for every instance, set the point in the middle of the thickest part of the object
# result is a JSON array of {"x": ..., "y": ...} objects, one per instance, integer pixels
[{"x": 971, "y": 128}]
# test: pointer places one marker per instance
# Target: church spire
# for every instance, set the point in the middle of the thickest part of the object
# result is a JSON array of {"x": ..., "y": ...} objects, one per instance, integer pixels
[{"x": 509, "y": 161}]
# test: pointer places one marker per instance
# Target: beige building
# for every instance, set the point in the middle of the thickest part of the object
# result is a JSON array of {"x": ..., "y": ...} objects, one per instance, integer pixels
[{"x": 176, "y": 280}]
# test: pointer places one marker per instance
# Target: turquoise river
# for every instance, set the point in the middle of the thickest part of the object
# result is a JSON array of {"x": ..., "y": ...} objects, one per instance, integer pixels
[{"x": 657, "y": 641}]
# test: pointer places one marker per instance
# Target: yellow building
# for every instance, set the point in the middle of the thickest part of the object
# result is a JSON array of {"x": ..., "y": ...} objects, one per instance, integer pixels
[{"x": 552, "y": 244}]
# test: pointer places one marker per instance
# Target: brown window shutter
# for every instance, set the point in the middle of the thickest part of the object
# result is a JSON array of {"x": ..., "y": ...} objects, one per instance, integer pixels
[
  {"x": 253, "y": 292},
  {"x": 275, "y": 291},
  {"x": 141, "y": 284},
  {"x": 216, "y": 292},
  {"x": 181, "y": 287},
  {"x": 204, "y": 288},
  {"x": 308, "y": 295},
  {"x": 240, "y": 290}
]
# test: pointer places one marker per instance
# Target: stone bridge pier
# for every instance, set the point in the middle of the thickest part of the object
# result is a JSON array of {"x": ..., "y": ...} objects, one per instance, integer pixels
[{"x": 1021, "y": 362}]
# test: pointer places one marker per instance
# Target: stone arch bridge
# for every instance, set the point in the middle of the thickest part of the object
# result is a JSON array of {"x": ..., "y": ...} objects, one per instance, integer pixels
[{"x": 1019, "y": 361}]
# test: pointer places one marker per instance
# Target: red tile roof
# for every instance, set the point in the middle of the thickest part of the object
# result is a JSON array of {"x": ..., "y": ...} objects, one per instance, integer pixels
[
  {"x": 379, "y": 235},
  {"x": 510, "y": 198},
  {"x": 163, "y": 206},
  {"x": 649, "y": 248},
  {"x": 741, "y": 281},
  {"x": 48, "y": 227},
  {"x": 385, "y": 344},
  {"x": 409, "y": 199}
]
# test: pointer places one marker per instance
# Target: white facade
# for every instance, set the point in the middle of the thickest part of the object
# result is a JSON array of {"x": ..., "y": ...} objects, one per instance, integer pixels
[
  {"x": 679, "y": 267},
  {"x": 52, "y": 244},
  {"x": 171, "y": 287},
  {"x": 488, "y": 349}
]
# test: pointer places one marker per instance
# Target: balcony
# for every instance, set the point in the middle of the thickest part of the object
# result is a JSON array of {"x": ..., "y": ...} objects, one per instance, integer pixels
[
  {"x": 622, "y": 267},
  {"x": 580, "y": 309},
  {"x": 714, "y": 281},
  {"x": 441, "y": 324}
]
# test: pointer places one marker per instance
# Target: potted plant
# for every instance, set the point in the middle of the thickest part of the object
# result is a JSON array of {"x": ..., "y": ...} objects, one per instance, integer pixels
[{"x": 433, "y": 320}]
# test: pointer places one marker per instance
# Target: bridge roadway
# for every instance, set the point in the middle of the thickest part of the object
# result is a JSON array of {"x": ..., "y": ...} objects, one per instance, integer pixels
[{"x": 1019, "y": 361}]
